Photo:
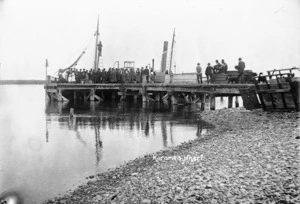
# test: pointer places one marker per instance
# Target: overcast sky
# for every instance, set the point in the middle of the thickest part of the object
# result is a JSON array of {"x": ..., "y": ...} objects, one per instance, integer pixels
[{"x": 265, "y": 33}]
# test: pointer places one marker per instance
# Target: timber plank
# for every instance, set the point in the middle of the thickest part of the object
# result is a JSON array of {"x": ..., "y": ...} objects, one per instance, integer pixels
[{"x": 270, "y": 91}]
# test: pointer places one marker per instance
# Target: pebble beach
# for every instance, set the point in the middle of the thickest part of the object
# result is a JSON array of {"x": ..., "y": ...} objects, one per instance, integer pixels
[{"x": 249, "y": 157}]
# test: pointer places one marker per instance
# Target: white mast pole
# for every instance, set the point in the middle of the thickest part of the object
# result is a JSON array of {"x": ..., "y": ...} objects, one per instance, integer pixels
[
  {"x": 96, "y": 54},
  {"x": 46, "y": 70},
  {"x": 170, "y": 68}
]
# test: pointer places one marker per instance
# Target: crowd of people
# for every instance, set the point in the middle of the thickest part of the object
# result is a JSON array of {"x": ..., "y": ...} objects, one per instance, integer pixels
[
  {"x": 219, "y": 68},
  {"x": 112, "y": 75},
  {"x": 131, "y": 75}
]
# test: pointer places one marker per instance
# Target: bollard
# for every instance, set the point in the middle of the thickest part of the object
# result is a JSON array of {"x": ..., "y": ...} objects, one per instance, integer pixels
[{"x": 71, "y": 112}]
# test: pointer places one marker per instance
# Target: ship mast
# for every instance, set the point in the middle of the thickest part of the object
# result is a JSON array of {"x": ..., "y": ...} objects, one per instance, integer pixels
[
  {"x": 96, "y": 48},
  {"x": 170, "y": 68}
]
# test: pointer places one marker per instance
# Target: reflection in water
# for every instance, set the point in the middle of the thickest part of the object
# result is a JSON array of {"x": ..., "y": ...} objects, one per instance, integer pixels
[
  {"x": 114, "y": 114},
  {"x": 164, "y": 132},
  {"x": 47, "y": 132},
  {"x": 98, "y": 144},
  {"x": 171, "y": 135},
  {"x": 199, "y": 129},
  {"x": 138, "y": 118},
  {"x": 59, "y": 151}
]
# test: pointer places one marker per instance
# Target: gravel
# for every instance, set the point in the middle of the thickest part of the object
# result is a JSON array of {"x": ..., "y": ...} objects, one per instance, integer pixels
[{"x": 250, "y": 157}]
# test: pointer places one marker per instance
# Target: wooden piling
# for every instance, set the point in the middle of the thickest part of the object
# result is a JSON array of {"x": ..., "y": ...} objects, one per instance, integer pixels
[
  {"x": 71, "y": 112},
  {"x": 157, "y": 97},
  {"x": 92, "y": 95},
  {"x": 75, "y": 95},
  {"x": 187, "y": 98},
  {"x": 60, "y": 107},
  {"x": 85, "y": 96},
  {"x": 144, "y": 97},
  {"x": 212, "y": 102},
  {"x": 203, "y": 102},
  {"x": 230, "y": 101},
  {"x": 92, "y": 106},
  {"x": 174, "y": 99},
  {"x": 59, "y": 96},
  {"x": 113, "y": 96},
  {"x": 206, "y": 97},
  {"x": 194, "y": 96},
  {"x": 236, "y": 101}
]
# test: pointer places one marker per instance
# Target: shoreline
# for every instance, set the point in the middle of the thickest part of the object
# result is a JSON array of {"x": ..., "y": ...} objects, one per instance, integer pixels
[{"x": 250, "y": 157}]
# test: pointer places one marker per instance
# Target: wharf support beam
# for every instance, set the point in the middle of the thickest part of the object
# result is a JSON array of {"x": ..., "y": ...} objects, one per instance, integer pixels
[
  {"x": 145, "y": 95},
  {"x": 180, "y": 94},
  {"x": 57, "y": 96},
  {"x": 90, "y": 95}
]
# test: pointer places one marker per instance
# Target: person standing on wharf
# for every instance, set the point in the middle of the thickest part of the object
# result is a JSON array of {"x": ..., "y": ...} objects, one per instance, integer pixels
[
  {"x": 199, "y": 73},
  {"x": 208, "y": 72},
  {"x": 241, "y": 67}
]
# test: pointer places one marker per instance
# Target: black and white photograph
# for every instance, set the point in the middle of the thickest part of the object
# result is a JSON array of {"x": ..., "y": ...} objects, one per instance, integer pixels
[{"x": 150, "y": 101}]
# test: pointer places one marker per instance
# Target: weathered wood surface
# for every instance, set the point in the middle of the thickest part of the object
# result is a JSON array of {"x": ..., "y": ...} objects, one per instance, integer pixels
[
  {"x": 250, "y": 100},
  {"x": 222, "y": 89},
  {"x": 274, "y": 91},
  {"x": 279, "y": 95}
]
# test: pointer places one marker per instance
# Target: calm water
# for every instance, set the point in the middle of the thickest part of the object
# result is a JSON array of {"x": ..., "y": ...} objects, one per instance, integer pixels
[{"x": 43, "y": 152}]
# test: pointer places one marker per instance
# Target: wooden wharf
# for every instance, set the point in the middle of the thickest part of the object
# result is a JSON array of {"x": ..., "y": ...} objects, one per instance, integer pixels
[{"x": 175, "y": 92}]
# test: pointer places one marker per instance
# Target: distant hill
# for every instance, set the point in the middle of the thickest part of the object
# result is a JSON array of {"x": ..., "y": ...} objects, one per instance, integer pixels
[{"x": 29, "y": 82}]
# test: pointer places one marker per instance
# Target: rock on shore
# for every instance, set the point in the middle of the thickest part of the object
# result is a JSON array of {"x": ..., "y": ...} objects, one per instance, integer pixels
[{"x": 250, "y": 157}]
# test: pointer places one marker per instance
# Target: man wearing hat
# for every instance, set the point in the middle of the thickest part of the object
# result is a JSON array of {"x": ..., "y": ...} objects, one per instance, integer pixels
[
  {"x": 240, "y": 67},
  {"x": 208, "y": 72},
  {"x": 199, "y": 73},
  {"x": 217, "y": 67}
]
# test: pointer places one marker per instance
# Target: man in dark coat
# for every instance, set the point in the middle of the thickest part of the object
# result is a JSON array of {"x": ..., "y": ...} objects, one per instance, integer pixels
[
  {"x": 224, "y": 67},
  {"x": 241, "y": 67},
  {"x": 138, "y": 76},
  {"x": 142, "y": 73},
  {"x": 113, "y": 75},
  {"x": 208, "y": 72},
  {"x": 132, "y": 77},
  {"x": 118, "y": 74},
  {"x": 199, "y": 73},
  {"x": 147, "y": 73},
  {"x": 217, "y": 67},
  {"x": 104, "y": 76}
]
